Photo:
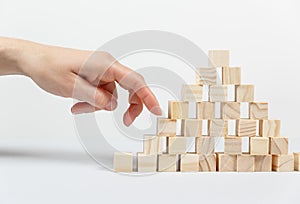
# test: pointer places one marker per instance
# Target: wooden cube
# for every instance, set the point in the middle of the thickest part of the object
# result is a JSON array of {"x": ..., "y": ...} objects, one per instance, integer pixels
[
  {"x": 226, "y": 162},
  {"x": 269, "y": 128},
  {"x": 218, "y": 93},
  {"x": 167, "y": 163},
  {"x": 146, "y": 162},
  {"x": 259, "y": 145},
  {"x": 233, "y": 145},
  {"x": 192, "y": 93},
  {"x": 176, "y": 145},
  {"x": 189, "y": 162},
  {"x": 246, "y": 128},
  {"x": 218, "y": 58},
  {"x": 205, "y": 145},
  {"x": 259, "y": 110},
  {"x": 191, "y": 127},
  {"x": 279, "y": 145},
  {"x": 152, "y": 144},
  {"x": 218, "y": 128},
  {"x": 283, "y": 163},
  {"x": 244, "y": 93},
  {"x": 206, "y": 110},
  {"x": 245, "y": 163},
  {"x": 263, "y": 163},
  {"x": 231, "y": 75},
  {"x": 297, "y": 161},
  {"x": 178, "y": 109},
  {"x": 230, "y": 110},
  {"x": 207, "y": 163},
  {"x": 206, "y": 76},
  {"x": 123, "y": 162},
  {"x": 166, "y": 127}
]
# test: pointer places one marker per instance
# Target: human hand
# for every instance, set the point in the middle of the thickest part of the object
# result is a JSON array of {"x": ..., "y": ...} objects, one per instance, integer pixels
[{"x": 87, "y": 76}]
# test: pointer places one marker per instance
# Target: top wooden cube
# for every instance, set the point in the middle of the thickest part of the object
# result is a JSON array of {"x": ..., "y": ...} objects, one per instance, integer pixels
[{"x": 218, "y": 58}]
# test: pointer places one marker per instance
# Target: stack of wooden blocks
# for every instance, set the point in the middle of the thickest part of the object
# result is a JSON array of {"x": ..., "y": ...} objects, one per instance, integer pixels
[{"x": 167, "y": 152}]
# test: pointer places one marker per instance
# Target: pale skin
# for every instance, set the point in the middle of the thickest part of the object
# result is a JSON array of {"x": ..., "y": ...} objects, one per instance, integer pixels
[{"x": 87, "y": 76}]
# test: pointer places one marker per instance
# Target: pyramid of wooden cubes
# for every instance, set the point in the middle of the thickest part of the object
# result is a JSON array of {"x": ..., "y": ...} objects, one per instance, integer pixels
[{"x": 194, "y": 149}]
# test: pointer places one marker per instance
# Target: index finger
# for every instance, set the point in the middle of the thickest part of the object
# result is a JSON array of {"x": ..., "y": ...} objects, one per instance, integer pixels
[{"x": 131, "y": 80}]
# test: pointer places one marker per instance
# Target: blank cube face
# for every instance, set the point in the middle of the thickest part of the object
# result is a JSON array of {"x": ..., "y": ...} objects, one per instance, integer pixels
[
  {"x": 166, "y": 127},
  {"x": 206, "y": 76},
  {"x": 244, "y": 93},
  {"x": 218, "y": 58},
  {"x": 218, "y": 128},
  {"x": 259, "y": 146},
  {"x": 207, "y": 163},
  {"x": 230, "y": 110},
  {"x": 178, "y": 110},
  {"x": 152, "y": 144},
  {"x": 246, "y": 128},
  {"x": 123, "y": 162},
  {"x": 146, "y": 163},
  {"x": 297, "y": 161},
  {"x": 226, "y": 163},
  {"x": 245, "y": 163},
  {"x": 206, "y": 110},
  {"x": 283, "y": 163},
  {"x": 205, "y": 145},
  {"x": 176, "y": 145},
  {"x": 263, "y": 163},
  {"x": 191, "y": 127},
  {"x": 233, "y": 145},
  {"x": 279, "y": 145},
  {"x": 259, "y": 111},
  {"x": 231, "y": 75},
  {"x": 192, "y": 93},
  {"x": 167, "y": 163},
  {"x": 189, "y": 162},
  {"x": 269, "y": 128},
  {"x": 218, "y": 93}
]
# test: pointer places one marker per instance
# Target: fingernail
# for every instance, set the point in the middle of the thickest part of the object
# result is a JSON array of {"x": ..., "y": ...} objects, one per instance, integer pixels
[
  {"x": 156, "y": 110},
  {"x": 111, "y": 105},
  {"x": 127, "y": 120}
]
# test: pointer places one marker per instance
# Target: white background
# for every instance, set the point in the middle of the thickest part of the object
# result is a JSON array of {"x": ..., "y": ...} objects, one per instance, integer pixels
[{"x": 41, "y": 159}]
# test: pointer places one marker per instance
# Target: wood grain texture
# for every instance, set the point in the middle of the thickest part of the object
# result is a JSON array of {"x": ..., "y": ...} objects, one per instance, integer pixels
[
  {"x": 152, "y": 144},
  {"x": 166, "y": 127},
  {"x": 226, "y": 163},
  {"x": 269, "y": 128},
  {"x": 167, "y": 163},
  {"x": 297, "y": 161},
  {"x": 218, "y": 93},
  {"x": 176, "y": 145},
  {"x": 207, "y": 163},
  {"x": 263, "y": 163},
  {"x": 218, "y": 58},
  {"x": 205, "y": 110},
  {"x": 123, "y": 162},
  {"x": 189, "y": 162},
  {"x": 206, "y": 76},
  {"x": 246, "y": 128},
  {"x": 259, "y": 145},
  {"x": 245, "y": 163},
  {"x": 178, "y": 109},
  {"x": 231, "y": 75},
  {"x": 218, "y": 128},
  {"x": 146, "y": 162},
  {"x": 244, "y": 93},
  {"x": 230, "y": 110},
  {"x": 259, "y": 110},
  {"x": 233, "y": 145},
  {"x": 283, "y": 163},
  {"x": 191, "y": 127},
  {"x": 192, "y": 92},
  {"x": 279, "y": 145},
  {"x": 205, "y": 145}
]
